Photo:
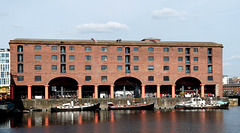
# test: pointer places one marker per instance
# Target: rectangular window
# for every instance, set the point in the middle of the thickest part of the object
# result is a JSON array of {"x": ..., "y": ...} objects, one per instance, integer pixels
[
  {"x": 150, "y": 78},
  {"x": 180, "y": 58},
  {"x": 88, "y": 78},
  {"x": 135, "y": 49},
  {"x": 210, "y": 78},
  {"x": 150, "y": 50},
  {"x": 71, "y": 67},
  {"x": 37, "y": 48},
  {"x": 37, "y": 78},
  {"x": 104, "y": 49},
  {"x": 54, "y": 57},
  {"x": 63, "y": 49},
  {"x": 88, "y": 67},
  {"x": 195, "y": 50},
  {"x": 54, "y": 48},
  {"x": 195, "y": 68},
  {"x": 20, "y": 57},
  {"x": 104, "y": 58},
  {"x": 150, "y": 58},
  {"x": 135, "y": 68},
  {"x": 63, "y": 68},
  {"x": 165, "y": 58},
  {"x": 104, "y": 78},
  {"x": 127, "y": 58},
  {"x": 209, "y": 51},
  {"x": 87, "y": 48},
  {"x": 180, "y": 50},
  {"x": 38, "y": 67},
  {"x": 20, "y": 78},
  {"x": 37, "y": 57},
  {"x": 54, "y": 67},
  {"x": 71, "y": 57},
  {"x": 119, "y": 68},
  {"x": 209, "y": 59},
  {"x": 63, "y": 58},
  {"x": 150, "y": 68},
  {"x": 187, "y": 59},
  {"x": 165, "y": 68},
  {"x": 128, "y": 70},
  {"x": 127, "y": 50},
  {"x": 104, "y": 67},
  {"x": 165, "y": 78},
  {"x": 195, "y": 59},
  {"x": 119, "y": 58},
  {"x": 180, "y": 68},
  {"x": 209, "y": 68},
  {"x": 87, "y": 57},
  {"x": 165, "y": 49},
  {"x": 20, "y": 49},
  {"x": 187, "y": 50},
  {"x": 135, "y": 58},
  {"x": 187, "y": 68},
  {"x": 71, "y": 48},
  {"x": 119, "y": 49}
]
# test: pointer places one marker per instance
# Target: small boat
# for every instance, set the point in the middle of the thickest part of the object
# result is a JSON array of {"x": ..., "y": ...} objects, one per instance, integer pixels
[
  {"x": 138, "y": 106},
  {"x": 199, "y": 103},
  {"x": 72, "y": 107}
]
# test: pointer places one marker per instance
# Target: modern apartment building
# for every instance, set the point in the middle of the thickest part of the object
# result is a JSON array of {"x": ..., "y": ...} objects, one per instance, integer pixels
[
  {"x": 5, "y": 73},
  {"x": 44, "y": 68}
]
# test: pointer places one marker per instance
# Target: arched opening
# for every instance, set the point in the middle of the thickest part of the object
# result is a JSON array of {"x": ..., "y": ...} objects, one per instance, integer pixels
[
  {"x": 63, "y": 87},
  {"x": 188, "y": 86},
  {"x": 127, "y": 87}
]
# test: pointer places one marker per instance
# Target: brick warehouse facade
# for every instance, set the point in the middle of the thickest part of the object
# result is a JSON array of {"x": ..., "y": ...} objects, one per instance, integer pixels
[{"x": 42, "y": 68}]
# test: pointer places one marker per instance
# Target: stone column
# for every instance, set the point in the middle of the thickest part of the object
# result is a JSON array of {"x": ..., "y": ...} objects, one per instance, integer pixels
[
  {"x": 80, "y": 91},
  {"x": 173, "y": 91},
  {"x": 46, "y": 91},
  {"x": 11, "y": 91},
  {"x": 112, "y": 91},
  {"x": 158, "y": 91},
  {"x": 143, "y": 91},
  {"x": 29, "y": 91},
  {"x": 202, "y": 90},
  {"x": 96, "y": 91}
]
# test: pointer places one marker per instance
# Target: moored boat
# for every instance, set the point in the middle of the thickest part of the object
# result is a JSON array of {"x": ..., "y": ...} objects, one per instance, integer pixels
[{"x": 138, "y": 106}]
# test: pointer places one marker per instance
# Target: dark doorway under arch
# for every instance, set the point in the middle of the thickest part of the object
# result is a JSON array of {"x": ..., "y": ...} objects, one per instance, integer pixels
[{"x": 188, "y": 85}]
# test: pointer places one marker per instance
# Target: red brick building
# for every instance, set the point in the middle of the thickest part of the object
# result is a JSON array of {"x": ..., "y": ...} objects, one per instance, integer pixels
[{"x": 43, "y": 68}]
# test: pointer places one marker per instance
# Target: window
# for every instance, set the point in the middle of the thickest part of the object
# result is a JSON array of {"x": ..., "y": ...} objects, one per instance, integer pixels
[
  {"x": 37, "y": 57},
  {"x": 210, "y": 59},
  {"x": 187, "y": 68},
  {"x": 38, "y": 67},
  {"x": 165, "y": 58},
  {"x": 135, "y": 49},
  {"x": 119, "y": 68},
  {"x": 104, "y": 49},
  {"x": 20, "y": 48},
  {"x": 63, "y": 49},
  {"x": 63, "y": 68},
  {"x": 54, "y": 57},
  {"x": 104, "y": 67},
  {"x": 180, "y": 68},
  {"x": 127, "y": 69},
  {"x": 187, "y": 50},
  {"x": 87, "y": 57},
  {"x": 150, "y": 78},
  {"x": 150, "y": 49},
  {"x": 180, "y": 50},
  {"x": 71, "y": 48},
  {"x": 119, "y": 58},
  {"x": 20, "y": 68},
  {"x": 72, "y": 57},
  {"x": 195, "y": 68},
  {"x": 150, "y": 68},
  {"x": 37, "y": 48},
  {"x": 54, "y": 48},
  {"x": 187, "y": 59},
  {"x": 209, "y": 68},
  {"x": 210, "y": 78},
  {"x": 71, "y": 67},
  {"x": 127, "y": 58},
  {"x": 165, "y": 68},
  {"x": 127, "y": 50},
  {"x": 88, "y": 67},
  {"x": 180, "y": 58},
  {"x": 104, "y": 78},
  {"x": 63, "y": 58},
  {"x": 104, "y": 58},
  {"x": 87, "y": 48},
  {"x": 20, "y": 78},
  {"x": 195, "y": 50},
  {"x": 165, "y": 78},
  {"x": 54, "y": 67},
  {"x": 119, "y": 49},
  {"x": 195, "y": 59},
  {"x": 37, "y": 78},
  {"x": 135, "y": 58},
  {"x": 150, "y": 58},
  {"x": 165, "y": 49},
  {"x": 20, "y": 57},
  {"x": 210, "y": 51},
  {"x": 87, "y": 78},
  {"x": 135, "y": 68}
]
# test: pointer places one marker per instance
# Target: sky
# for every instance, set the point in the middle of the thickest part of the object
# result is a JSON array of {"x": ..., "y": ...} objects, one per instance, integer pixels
[{"x": 169, "y": 20}]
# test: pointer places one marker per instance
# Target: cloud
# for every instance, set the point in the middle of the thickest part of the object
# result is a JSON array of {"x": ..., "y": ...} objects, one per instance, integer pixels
[
  {"x": 234, "y": 57},
  {"x": 101, "y": 28},
  {"x": 169, "y": 13},
  {"x": 227, "y": 64}
]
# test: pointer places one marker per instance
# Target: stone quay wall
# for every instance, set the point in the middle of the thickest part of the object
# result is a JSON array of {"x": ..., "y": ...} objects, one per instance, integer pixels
[{"x": 158, "y": 102}]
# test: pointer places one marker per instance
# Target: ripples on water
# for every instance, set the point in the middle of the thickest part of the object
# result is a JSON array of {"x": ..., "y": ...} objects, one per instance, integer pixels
[{"x": 214, "y": 121}]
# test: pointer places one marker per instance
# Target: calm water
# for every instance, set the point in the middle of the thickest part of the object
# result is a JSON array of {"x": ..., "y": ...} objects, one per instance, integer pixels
[{"x": 213, "y": 121}]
